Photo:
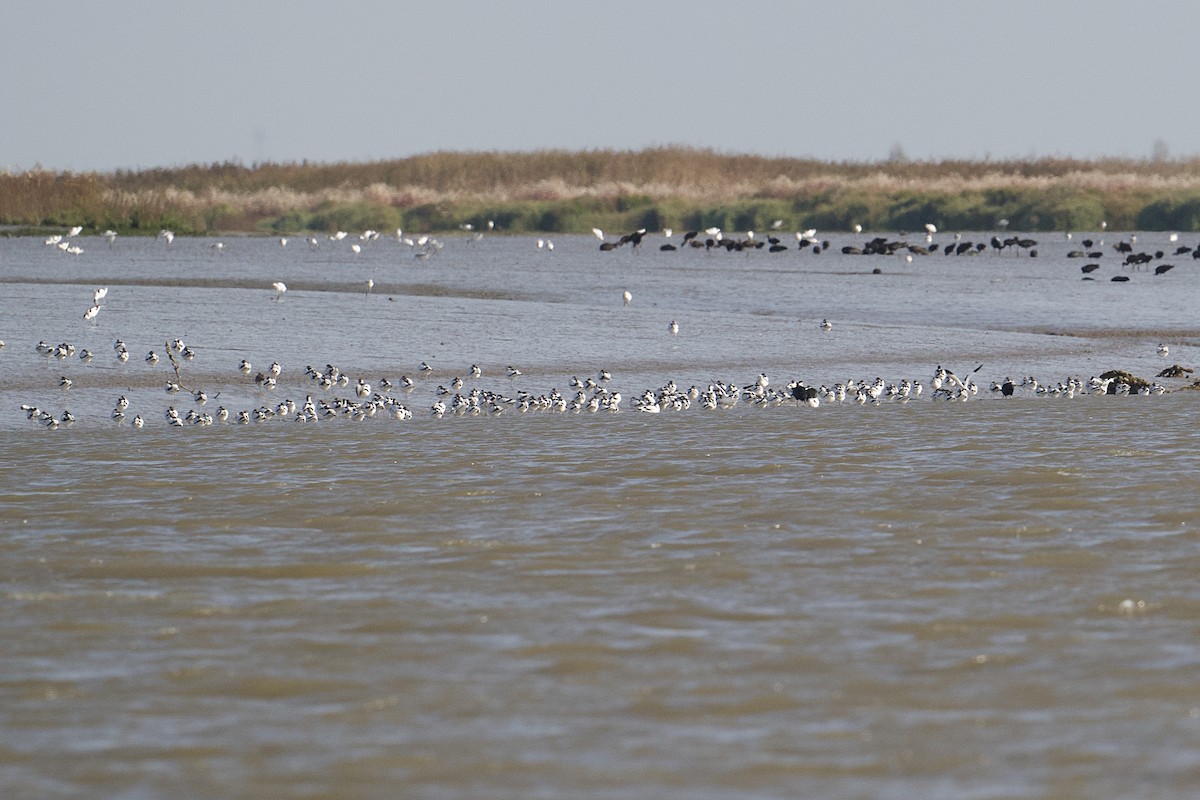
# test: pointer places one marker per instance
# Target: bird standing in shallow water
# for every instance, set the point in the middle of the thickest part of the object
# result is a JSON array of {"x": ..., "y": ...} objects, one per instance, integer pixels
[{"x": 673, "y": 328}]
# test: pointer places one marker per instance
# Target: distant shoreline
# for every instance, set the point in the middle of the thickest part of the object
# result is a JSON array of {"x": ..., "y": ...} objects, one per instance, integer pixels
[{"x": 555, "y": 191}]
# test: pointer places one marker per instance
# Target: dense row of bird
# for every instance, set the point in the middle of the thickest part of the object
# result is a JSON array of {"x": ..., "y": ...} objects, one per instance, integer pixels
[
  {"x": 713, "y": 238},
  {"x": 385, "y": 398}
]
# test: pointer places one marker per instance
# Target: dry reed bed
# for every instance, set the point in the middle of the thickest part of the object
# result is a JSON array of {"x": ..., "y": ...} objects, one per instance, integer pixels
[{"x": 554, "y": 190}]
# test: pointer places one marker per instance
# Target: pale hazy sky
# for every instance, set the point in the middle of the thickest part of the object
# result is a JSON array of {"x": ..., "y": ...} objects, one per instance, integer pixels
[{"x": 143, "y": 83}]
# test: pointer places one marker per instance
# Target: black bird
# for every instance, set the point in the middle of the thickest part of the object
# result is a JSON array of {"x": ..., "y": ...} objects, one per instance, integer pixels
[
  {"x": 804, "y": 393},
  {"x": 1161, "y": 268},
  {"x": 1089, "y": 268},
  {"x": 635, "y": 238},
  {"x": 1120, "y": 278},
  {"x": 1007, "y": 388}
]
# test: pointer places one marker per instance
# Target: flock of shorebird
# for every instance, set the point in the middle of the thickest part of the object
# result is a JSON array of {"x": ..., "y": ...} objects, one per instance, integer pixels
[
  {"x": 714, "y": 238},
  {"x": 325, "y": 398},
  {"x": 332, "y": 393}
]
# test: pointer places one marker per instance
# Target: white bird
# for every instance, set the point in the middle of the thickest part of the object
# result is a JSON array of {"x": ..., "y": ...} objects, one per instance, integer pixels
[
  {"x": 166, "y": 234},
  {"x": 1163, "y": 350},
  {"x": 110, "y": 235},
  {"x": 283, "y": 241},
  {"x": 78, "y": 229},
  {"x": 370, "y": 285},
  {"x": 280, "y": 287},
  {"x": 98, "y": 295},
  {"x": 245, "y": 367},
  {"x": 930, "y": 228},
  {"x": 549, "y": 246},
  {"x": 598, "y": 233},
  {"x": 857, "y": 228},
  {"x": 91, "y": 313},
  {"x": 627, "y": 297},
  {"x": 356, "y": 248},
  {"x": 673, "y": 328},
  {"x": 541, "y": 244},
  {"x": 513, "y": 372},
  {"x": 826, "y": 325}
]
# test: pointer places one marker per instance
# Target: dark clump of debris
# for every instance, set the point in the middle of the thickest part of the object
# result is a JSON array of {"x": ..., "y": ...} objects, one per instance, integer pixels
[
  {"x": 1174, "y": 371},
  {"x": 1119, "y": 376}
]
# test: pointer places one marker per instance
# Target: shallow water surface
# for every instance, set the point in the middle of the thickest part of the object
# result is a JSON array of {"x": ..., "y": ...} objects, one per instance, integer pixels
[{"x": 981, "y": 599}]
